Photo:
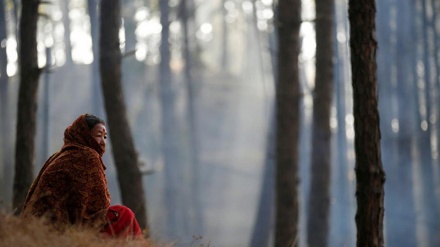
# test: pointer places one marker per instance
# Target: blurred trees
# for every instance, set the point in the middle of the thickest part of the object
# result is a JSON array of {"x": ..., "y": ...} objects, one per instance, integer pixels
[
  {"x": 319, "y": 195},
  {"x": 287, "y": 117},
  {"x": 184, "y": 85},
  {"x": 124, "y": 153},
  {"x": 27, "y": 103},
  {"x": 370, "y": 176}
]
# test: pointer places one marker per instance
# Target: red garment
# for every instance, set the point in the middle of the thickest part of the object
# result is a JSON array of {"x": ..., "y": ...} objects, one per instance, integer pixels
[
  {"x": 71, "y": 188},
  {"x": 122, "y": 223}
]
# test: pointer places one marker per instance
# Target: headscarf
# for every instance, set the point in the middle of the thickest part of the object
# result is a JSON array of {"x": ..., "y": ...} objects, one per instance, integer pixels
[{"x": 71, "y": 188}]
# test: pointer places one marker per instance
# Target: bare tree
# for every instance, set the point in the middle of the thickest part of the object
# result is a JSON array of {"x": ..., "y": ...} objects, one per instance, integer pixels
[
  {"x": 5, "y": 137},
  {"x": 319, "y": 195},
  {"x": 124, "y": 153},
  {"x": 92, "y": 7},
  {"x": 370, "y": 177},
  {"x": 27, "y": 103},
  {"x": 287, "y": 116},
  {"x": 187, "y": 13}
]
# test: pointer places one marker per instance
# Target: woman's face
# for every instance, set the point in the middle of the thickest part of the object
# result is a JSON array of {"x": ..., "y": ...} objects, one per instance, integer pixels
[{"x": 99, "y": 133}]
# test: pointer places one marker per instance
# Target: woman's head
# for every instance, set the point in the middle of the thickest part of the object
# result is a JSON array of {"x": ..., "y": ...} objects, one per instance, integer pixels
[
  {"x": 97, "y": 129},
  {"x": 87, "y": 130}
]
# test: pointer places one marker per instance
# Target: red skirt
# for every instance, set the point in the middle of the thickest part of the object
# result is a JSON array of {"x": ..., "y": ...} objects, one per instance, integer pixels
[{"x": 122, "y": 223}]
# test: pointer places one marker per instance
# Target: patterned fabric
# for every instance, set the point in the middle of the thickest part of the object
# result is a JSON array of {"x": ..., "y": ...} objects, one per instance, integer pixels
[{"x": 71, "y": 188}]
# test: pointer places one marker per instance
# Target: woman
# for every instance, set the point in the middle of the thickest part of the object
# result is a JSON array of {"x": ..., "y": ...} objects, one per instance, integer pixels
[{"x": 71, "y": 188}]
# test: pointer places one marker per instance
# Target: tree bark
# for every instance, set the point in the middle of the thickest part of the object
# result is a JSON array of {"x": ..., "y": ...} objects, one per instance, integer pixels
[
  {"x": 319, "y": 195},
  {"x": 287, "y": 115},
  {"x": 27, "y": 103},
  {"x": 370, "y": 177},
  {"x": 124, "y": 153}
]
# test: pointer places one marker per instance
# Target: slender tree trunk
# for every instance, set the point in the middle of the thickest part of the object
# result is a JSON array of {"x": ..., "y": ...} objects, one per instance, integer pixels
[
  {"x": 92, "y": 6},
  {"x": 264, "y": 222},
  {"x": 225, "y": 39},
  {"x": 342, "y": 234},
  {"x": 287, "y": 133},
  {"x": 170, "y": 152},
  {"x": 197, "y": 209},
  {"x": 124, "y": 152},
  {"x": 45, "y": 149},
  {"x": 5, "y": 137},
  {"x": 264, "y": 218},
  {"x": 66, "y": 23},
  {"x": 370, "y": 177},
  {"x": 319, "y": 197},
  {"x": 27, "y": 103}
]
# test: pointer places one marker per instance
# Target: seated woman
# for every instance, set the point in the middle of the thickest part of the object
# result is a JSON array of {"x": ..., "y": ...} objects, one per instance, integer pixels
[{"x": 71, "y": 188}]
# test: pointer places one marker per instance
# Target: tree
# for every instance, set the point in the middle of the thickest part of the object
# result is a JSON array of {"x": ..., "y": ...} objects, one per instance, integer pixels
[
  {"x": 27, "y": 103},
  {"x": 370, "y": 177},
  {"x": 5, "y": 143},
  {"x": 124, "y": 153},
  {"x": 186, "y": 12},
  {"x": 92, "y": 7},
  {"x": 319, "y": 195},
  {"x": 170, "y": 151},
  {"x": 287, "y": 118}
]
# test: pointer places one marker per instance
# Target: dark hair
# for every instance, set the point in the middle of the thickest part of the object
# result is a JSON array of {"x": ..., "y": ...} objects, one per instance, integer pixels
[{"x": 93, "y": 120}]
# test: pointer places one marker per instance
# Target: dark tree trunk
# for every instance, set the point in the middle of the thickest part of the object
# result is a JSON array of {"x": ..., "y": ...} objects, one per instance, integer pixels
[
  {"x": 124, "y": 152},
  {"x": 370, "y": 177},
  {"x": 27, "y": 103},
  {"x": 319, "y": 196},
  {"x": 5, "y": 137},
  {"x": 288, "y": 118}
]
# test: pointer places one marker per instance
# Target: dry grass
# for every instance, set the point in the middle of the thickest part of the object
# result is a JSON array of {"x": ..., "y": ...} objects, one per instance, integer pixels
[{"x": 14, "y": 232}]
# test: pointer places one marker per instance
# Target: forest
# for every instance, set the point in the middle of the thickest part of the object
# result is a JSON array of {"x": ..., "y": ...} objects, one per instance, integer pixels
[{"x": 240, "y": 122}]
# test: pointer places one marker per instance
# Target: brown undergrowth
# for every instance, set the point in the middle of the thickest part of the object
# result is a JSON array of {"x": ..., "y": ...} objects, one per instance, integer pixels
[{"x": 15, "y": 232}]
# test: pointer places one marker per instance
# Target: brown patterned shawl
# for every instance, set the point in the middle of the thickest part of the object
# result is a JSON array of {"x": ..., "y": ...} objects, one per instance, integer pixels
[{"x": 71, "y": 188}]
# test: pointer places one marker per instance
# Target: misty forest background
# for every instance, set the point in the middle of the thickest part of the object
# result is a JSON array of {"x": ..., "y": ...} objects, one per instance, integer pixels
[{"x": 208, "y": 169}]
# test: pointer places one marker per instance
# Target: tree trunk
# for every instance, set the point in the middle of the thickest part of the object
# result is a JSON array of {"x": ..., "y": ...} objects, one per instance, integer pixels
[
  {"x": 264, "y": 218},
  {"x": 27, "y": 103},
  {"x": 124, "y": 153},
  {"x": 287, "y": 132},
  {"x": 370, "y": 177},
  {"x": 319, "y": 195},
  {"x": 197, "y": 209},
  {"x": 225, "y": 39},
  {"x": 5, "y": 137},
  {"x": 170, "y": 152},
  {"x": 92, "y": 7},
  {"x": 66, "y": 23}
]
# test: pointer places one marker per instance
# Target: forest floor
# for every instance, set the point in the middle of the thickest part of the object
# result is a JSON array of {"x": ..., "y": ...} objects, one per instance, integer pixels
[{"x": 14, "y": 231}]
